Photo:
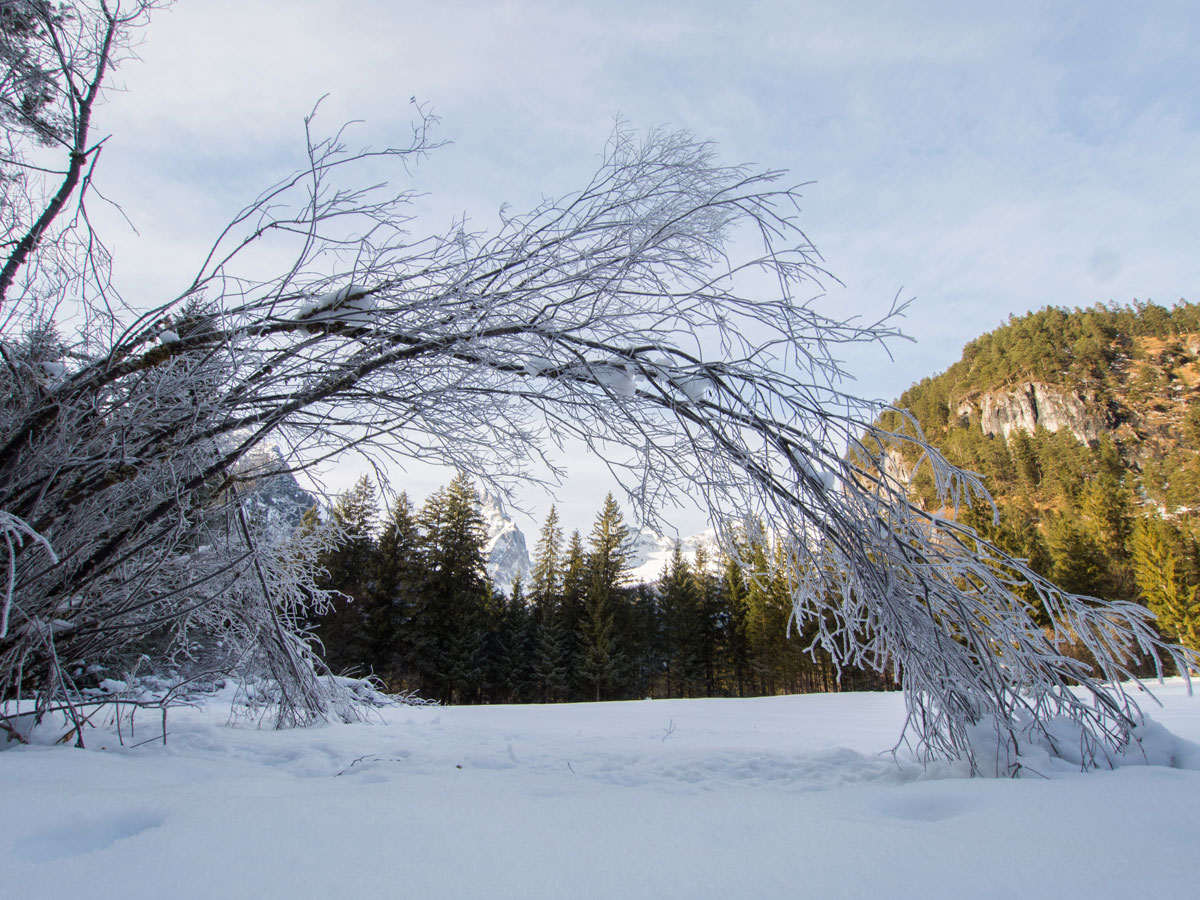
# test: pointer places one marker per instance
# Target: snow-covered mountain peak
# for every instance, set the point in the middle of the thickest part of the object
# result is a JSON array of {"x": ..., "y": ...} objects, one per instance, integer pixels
[
  {"x": 506, "y": 550},
  {"x": 652, "y": 552}
]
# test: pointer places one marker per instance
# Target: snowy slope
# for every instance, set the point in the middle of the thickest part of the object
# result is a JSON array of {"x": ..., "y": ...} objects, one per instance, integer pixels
[
  {"x": 652, "y": 551},
  {"x": 789, "y": 797}
]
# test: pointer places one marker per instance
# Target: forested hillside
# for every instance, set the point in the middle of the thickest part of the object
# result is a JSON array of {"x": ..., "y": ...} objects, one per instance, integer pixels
[{"x": 1086, "y": 426}]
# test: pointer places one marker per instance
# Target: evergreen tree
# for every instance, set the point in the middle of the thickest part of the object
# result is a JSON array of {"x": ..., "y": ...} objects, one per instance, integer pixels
[
  {"x": 1078, "y": 561},
  {"x": 451, "y": 624},
  {"x": 1161, "y": 579},
  {"x": 551, "y": 672},
  {"x": 1029, "y": 473},
  {"x": 398, "y": 573},
  {"x": 734, "y": 600},
  {"x": 607, "y": 569},
  {"x": 512, "y": 659},
  {"x": 598, "y": 653},
  {"x": 574, "y": 593},
  {"x": 636, "y": 624},
  {"x": 680, "y": 607},
  {"x": 550, "y": 649},
  {"x": 711, "y": 619},
  {"x": 348, "y": 571},
  {"x": 766, "y": 618},
  {"x": 546, "y": 577}
]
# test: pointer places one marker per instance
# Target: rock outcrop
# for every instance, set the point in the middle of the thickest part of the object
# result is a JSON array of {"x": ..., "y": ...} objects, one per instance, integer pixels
[
  {"x": 274, "y": 493},
  {"x": 1033, "y": 404}
]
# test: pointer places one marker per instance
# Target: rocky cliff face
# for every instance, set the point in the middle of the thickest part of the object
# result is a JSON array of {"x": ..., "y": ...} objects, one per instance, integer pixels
[
  {"x": 275, "y": 493},
  {"x": 506, "y": 551},
  {"x": 1031, "y": 404}
]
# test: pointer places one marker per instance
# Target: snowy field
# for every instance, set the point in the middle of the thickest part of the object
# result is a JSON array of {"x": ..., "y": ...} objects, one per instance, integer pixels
[{"x": 774, "y": 797}]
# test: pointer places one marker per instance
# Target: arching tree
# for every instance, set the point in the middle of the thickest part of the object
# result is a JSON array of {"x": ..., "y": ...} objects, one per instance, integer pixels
[{"x": 659, "y": 314}]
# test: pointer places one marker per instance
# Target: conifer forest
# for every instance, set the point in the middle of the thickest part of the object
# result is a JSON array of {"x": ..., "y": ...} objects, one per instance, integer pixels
[{"x": 414, "y": 607}]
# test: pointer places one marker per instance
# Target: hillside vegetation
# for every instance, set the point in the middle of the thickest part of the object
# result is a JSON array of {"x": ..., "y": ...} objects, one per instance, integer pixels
[{"x": 1086, "y": 426}]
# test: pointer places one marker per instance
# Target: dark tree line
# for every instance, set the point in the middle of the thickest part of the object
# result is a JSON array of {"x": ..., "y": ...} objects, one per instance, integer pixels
[{"x": 415, "y": 607}]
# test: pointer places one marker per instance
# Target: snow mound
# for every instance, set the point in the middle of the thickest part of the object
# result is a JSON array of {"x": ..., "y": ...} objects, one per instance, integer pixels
[{"x": 1063, "y": 745}]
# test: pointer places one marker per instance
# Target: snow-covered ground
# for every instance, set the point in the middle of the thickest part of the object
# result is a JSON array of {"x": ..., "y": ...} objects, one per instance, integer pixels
[{"x": 774, "y": 797}]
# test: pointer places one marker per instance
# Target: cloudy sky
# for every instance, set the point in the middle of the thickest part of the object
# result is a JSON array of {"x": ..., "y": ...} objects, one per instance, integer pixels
[{"x": 983, "y": 159}]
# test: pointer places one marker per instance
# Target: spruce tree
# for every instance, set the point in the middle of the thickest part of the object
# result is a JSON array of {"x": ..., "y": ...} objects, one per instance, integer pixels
[
  {"x": 710, "y": 619},
  {"x": 680, "y": 626},
  {"x": 574, "y": 592},
  {"x": 765, "y": 620},
  {"x": 512, "y": 661},
  {"x": 451, "y": 624},
  {"x": 607, "y": 570},
  {"x": 1161, "y": 578},
  {"x": 551, "y": 672},
  {"x": 733, "y": 595},
  {"x": 1079, "y": 562},
  {"x": 598, "y": 652},
  {"x": 550, "y": 669},
  {"x": 398, "y": 573},
  {"x": 546, "y": 577},
  {"x": 348, "y": 571}
]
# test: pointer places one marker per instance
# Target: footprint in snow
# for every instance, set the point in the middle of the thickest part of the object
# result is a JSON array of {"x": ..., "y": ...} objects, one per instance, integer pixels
[
  {"x": 86, "y": 835},
  {"x": 923, "y": 808}
]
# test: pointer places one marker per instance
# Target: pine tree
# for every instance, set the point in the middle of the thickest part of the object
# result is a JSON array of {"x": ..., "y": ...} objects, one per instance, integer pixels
[
  {"x": 765, "y": 618},
  {"x": 598, "y": 659},
  {"x": 733, "y": 597},
  {"x": 1029, "y": 472},
  {"x": 348, "y": 571},
  {"x": 1079, "y": 564},
  {"x": 636, "y": 625},
  {"x": 512, "y": 655},
  {"x": 551, "y": 647},
  {"x": 679, "y": 603},
  {"x": 607, "y": 569},
  {"x": 398, "y": 572},
  {"x": 551, "y": 673},
  {"x": 1158, "y": 568},
  {"x": 710, "y": 620},
  {"x": 546, "y": 578},
  {"x": 451, "y": 624},
  {"x": 574, "y": 593}
]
